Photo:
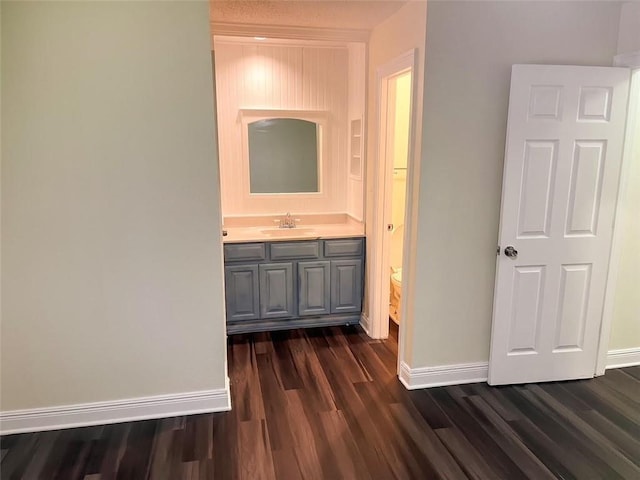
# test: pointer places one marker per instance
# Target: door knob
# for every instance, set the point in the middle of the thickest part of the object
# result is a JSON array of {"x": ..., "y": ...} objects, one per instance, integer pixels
[{"x": 511, "y": 252}]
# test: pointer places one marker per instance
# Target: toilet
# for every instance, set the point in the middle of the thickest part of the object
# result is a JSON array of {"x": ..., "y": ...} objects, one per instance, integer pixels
[{"x": 397, "y": 237}]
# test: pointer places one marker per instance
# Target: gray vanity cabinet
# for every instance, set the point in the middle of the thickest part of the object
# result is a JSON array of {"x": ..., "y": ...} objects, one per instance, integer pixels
[
  {"x": 241, "y": 292},
  {"x": 346, "y": 286},
  {"x": 314, "y": 288},
  {"x": 276, "y": 290},
  {"x": 289, "y": 284}
]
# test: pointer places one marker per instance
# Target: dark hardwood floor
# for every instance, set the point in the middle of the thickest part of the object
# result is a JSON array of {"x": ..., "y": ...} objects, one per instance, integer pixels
[{"x": 326, "y": 404}]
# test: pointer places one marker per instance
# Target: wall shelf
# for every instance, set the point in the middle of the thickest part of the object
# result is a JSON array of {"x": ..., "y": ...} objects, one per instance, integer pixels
[{"x": 355, "y": 149}]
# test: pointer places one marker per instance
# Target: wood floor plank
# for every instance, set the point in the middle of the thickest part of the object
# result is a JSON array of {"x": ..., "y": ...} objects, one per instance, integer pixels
[
  {"x": 326, "y": 403},
  {"x": 304, "y": 444},
  {"x": 159, "y": 460},
  {"x": 403, "y": 456},
  {"x": 434, "y": 450},
  {"x": 254, "y": 448},
  {"x": 454, "y": 407},
  {"x": 623, "y": 383},
  {"x": 509, "y": 441},
  {"x": 597, "y": 443},
  {"x": 345, "y": 450},
  {"x": 628, "y": 445},
  {"x": 633, "y": 371},
  {"x": 362, "y": 425},
  {"x": 286, "y": 465},
  {"x": 225, "y": 447},
  {"x": 551, "y": 442},
  {"x": 467, "y": 456},
  {"x": 317, "y": 392},
  {"x": 274, "y": 402},
  {"x": 607, "y": 405},
  {"x": 595, "y": 455},
  {"x": 495, "y": 397},
  {"x": 429, "y": 409},
  {"x": 243, "y": 375}
]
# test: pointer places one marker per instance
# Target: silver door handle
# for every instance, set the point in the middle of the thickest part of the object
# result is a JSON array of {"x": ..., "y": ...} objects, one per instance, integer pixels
[{"x": 511, "y": 252}]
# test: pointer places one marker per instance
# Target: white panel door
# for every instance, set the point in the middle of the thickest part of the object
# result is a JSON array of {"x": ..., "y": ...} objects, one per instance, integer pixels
[{"x": 564, "y": 147}]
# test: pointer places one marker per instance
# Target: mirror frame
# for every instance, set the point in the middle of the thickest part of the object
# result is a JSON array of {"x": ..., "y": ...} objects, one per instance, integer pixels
[{"x": 321, "y": 118}]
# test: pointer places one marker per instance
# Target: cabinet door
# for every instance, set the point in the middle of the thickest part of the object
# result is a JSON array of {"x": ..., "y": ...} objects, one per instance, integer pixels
[
  {"x": 241, "y": 292},
  {"x": 314, "y": 297},
  {"x": 346, "y": 286},
  {"x": 276, "y": 290}
]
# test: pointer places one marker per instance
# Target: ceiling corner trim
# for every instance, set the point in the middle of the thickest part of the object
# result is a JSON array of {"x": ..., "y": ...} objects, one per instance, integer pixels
[
  {"x": 630, "y": 60},
  {"x": 289, "y": 32}
]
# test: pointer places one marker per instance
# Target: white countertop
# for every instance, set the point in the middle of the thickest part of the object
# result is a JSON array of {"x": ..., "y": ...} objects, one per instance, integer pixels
[{"x": 301, "y": 232}]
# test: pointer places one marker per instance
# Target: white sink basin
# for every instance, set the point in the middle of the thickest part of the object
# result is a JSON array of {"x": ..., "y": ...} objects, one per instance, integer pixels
[{"x": 288, "y": 232}]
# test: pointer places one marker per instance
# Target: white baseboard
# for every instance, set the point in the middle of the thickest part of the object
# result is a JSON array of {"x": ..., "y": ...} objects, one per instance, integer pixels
[
  {"x": 426, "y": 377},
  {"x": 626, "y": 357},
  {"x": 365, "y": 323},
  {"x": 99, "y": 413}
]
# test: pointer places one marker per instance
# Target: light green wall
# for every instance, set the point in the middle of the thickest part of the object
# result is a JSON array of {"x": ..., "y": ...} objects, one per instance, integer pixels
[
  {"x": 625, "y": 327},
  {"x": 470, "y": 49},
  {"x": 111, "y": 272}
]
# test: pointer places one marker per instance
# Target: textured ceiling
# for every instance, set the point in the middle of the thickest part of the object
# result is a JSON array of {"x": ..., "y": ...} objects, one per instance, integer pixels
[{"x": 349, "y": 14}]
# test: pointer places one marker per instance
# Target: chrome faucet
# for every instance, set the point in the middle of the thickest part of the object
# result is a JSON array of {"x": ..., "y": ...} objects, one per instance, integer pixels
[{"x": 288, "y": 221}]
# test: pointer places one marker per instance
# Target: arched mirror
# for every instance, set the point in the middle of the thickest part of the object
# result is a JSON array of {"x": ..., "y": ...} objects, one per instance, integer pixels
[{"x": 283, "y": 156}]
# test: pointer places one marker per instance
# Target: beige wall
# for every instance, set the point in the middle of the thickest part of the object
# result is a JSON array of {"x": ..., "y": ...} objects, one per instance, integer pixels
[
  {"x": 470, "y": 49},
  {"x": 111, "y": 273},
  {"x": 629, "y": 34},
  {"x": 625, "y": 328},
  {"x": 400, "y": 33}
]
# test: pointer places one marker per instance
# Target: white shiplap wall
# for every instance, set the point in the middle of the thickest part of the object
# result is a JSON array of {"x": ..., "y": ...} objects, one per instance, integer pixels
[
  {"x": 284, "y": 77},
  {"x": 356, "y": 92}
]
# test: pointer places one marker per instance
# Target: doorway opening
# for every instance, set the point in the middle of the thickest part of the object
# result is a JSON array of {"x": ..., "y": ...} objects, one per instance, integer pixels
[
  {"x": 397, "y": 150},
  {"x": 393, "y": 182}
]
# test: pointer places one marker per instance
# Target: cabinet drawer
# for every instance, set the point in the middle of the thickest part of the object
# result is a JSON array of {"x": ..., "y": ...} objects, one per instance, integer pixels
[
  {"x": 347, "y": 247},
  {"x": 234, "y": 252},
  {"x": 294, "y": 250}
]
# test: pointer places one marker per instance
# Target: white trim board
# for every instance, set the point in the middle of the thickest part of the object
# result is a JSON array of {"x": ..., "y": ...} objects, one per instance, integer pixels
[
  {"x": 117, "y": 411},
  {"x": 365, "y": 323},
  {"x": 631, "y": 60},
  {"x": 289, "y": 32},
  {"x": 625, "y": 357},
  {"x": 426, "y": 377},
  {"x": 459, "y": 374}
]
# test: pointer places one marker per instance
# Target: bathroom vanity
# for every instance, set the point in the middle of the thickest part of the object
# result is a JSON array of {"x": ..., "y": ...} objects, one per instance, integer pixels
[{"x": 282, "y": 283}]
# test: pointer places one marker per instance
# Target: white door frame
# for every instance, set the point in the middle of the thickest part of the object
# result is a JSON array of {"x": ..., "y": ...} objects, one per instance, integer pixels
[
  {"x": 632, "y": 61},
  {"x": 378, "y": 298}
]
